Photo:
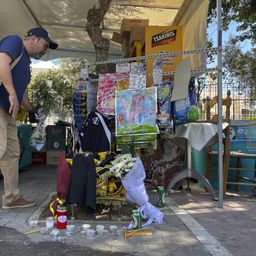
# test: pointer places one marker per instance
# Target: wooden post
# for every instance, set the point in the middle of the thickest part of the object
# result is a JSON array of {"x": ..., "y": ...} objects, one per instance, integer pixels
[
  {"x": 226, "y": 159},
  {"x": 228, "y": 102},
  {"x": 208, "y": 108}
]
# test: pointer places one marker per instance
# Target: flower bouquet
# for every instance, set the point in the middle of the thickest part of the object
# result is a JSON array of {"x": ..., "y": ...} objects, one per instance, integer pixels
[
  {"x": 46, "y": 97},
  {"x": 122, "y": 165},
  {"x": 47, "y": 100},
  {"x": 132, "y": 174}
]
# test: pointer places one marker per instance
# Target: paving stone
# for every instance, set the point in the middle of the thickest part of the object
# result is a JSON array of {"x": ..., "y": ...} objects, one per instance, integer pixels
[{"x": 187, "y": 229}]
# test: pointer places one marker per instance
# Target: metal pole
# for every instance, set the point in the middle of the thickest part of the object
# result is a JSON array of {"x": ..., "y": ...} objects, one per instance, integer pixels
[{"x": 220, "y": 147}]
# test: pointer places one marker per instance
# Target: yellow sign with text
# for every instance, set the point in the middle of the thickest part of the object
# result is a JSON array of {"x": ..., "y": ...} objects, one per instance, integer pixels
[{"x": 163, "y": 39}]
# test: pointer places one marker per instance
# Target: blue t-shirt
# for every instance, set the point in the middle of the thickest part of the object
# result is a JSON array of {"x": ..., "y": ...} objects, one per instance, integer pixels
[{"x": 13, "y": 45}]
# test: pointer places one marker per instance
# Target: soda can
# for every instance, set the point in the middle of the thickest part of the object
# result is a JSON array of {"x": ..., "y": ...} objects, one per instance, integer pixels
[
  {"x": 136, "y": 219},
  {"x": 160, "y": 194}
]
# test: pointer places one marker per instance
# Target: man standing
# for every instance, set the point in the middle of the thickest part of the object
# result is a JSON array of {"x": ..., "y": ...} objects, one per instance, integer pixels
[{"x": 15, "y": 76}]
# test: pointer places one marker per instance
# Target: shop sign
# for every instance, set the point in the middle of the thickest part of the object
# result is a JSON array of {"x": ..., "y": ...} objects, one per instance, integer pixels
[{"x": 164, "y": 38}]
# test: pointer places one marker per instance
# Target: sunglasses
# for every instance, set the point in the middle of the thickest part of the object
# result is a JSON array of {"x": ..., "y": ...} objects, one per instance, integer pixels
[{"x": 45, "y": 44}]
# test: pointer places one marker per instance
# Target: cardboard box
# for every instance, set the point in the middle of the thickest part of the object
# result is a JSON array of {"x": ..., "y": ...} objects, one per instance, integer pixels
[
  {"x": 137, "y": 34},
  {"x": 116, "y": 37},
  {"x": 163, "y": 39},
  {"x": 125, "y": 47},
  {"x": 125, "y": 36},
  {"x": 127, "y": 24},
  {"x": 53, "y": 157}
]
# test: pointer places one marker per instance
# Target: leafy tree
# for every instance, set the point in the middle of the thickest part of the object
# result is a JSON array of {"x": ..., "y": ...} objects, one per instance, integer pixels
[
  {"x": 46, "y": 92},
  {"x": 238, "y": 65},
  {"x": 70, "y": 69},
  {"x": 243, "y": 12},
  {"x": 241, "y": 65},
  {"x": 57, "y": 97}
]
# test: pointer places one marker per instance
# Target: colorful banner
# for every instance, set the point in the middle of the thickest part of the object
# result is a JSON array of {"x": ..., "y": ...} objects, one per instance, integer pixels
[{"x": 108, "y": 83}]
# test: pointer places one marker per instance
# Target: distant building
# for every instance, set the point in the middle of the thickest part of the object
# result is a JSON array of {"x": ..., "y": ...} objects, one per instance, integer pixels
[{"x": 42, "y": 66}]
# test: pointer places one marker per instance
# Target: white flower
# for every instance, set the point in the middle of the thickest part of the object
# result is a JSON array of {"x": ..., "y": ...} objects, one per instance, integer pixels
[
  {"x": 49, "y": 83},
  {"x": 122, "y": 165}
]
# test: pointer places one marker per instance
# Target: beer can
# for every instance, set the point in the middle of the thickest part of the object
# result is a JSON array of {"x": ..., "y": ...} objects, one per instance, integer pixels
[
  {"x": 136, "y": 219},
  {"x": 160, "y": 194}
]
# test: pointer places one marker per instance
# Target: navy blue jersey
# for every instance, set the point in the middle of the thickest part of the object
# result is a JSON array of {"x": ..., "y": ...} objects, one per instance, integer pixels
[
  {"x": 13, "y": 46},
  {"x": 95, "y": 135}
]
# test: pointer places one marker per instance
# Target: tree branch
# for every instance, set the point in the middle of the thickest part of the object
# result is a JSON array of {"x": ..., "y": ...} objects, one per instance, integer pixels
[{"x": 95, "y": 18}]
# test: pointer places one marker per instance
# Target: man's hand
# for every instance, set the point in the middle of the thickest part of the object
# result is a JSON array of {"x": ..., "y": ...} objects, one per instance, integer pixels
[
  {"x": 33, "y": 116},
  {"x": 6, "y": 78},
  {"x": 14, "y": 105}
]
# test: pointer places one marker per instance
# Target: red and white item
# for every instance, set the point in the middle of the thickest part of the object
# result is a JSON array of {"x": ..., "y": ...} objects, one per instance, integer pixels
[{"x": 61, "y": 217}]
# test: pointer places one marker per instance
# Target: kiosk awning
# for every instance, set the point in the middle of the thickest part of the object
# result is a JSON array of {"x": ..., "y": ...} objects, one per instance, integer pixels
[{"x": 65, "y": 20}]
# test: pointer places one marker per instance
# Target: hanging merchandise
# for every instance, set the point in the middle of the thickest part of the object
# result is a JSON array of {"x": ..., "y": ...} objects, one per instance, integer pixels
[
  {"x": 79, "y": 108},
  {"x": 95, "y": 135},
  {"x": 136, "y": 122},
  {"x": 139, "y": 114},
  {"x": 138, "y": 75},
  {"x": 84, "y": 76},
  {"x": 108, "y": 83},
  {"x": 157, "y": 71},
  {"x": 123, "y": 67},
  {"x": 181, "y": 108},
  {"x": 163, "y": 39},
  {"x": 80, "y": 99},
  {"x": 164, "y": 104}
]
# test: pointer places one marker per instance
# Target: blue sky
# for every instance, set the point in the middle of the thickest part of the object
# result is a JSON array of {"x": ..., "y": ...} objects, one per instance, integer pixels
[{"x": 212, "y": 33}]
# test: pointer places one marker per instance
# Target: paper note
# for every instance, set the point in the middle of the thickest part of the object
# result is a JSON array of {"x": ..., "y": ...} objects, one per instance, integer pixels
[{"x": 181, "y": 80}]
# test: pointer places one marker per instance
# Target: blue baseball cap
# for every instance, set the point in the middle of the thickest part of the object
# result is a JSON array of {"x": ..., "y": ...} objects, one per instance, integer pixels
[{"x": 41, "y": 32}]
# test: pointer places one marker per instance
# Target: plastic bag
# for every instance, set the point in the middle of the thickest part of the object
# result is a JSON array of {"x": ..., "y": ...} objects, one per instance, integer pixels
[
  {"x": 152, "y": 213},
  {"x": 133, "y": 183},
  {"x": 136, "y": 193}
]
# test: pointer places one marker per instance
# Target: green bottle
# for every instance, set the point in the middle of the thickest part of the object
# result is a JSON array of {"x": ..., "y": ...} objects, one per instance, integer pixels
[{"x": 160, "y": 193}]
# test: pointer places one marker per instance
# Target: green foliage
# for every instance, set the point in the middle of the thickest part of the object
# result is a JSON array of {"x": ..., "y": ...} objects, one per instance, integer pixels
[
  {"x": 241, "y": 65},
  {"x": 193, "y": 114},
  {"x": 129, "y": 148},
  {"x": 242, "y": 12},
  {"x": 70, "y": 69},
  {"x": 46, "y": 95},
  {"x": 250, "y": 118},
  {"x": 59, "y": 96}
]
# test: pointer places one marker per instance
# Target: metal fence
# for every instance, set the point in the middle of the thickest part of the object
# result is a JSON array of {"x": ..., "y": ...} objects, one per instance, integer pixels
[{"x": 243, "y": 107}]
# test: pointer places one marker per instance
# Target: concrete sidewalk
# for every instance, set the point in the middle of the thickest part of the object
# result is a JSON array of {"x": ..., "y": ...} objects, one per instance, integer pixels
[
  {"x": 193, "y": 225},
  {"x": 234, "y": 225}
]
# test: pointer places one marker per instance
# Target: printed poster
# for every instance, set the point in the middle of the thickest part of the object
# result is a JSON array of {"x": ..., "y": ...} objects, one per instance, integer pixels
[
  {"x": 136, "y": 111},
  {"x": 108, "y": 83}
]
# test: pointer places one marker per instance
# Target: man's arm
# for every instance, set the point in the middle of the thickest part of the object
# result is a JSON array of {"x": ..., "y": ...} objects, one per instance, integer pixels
[
  {"x": 25, "y": 102},
  {"x": 6, "y": 79},
  {"x": 32, "y": 114}
]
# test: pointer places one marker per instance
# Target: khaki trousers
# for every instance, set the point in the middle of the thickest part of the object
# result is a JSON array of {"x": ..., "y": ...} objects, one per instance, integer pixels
[{"x": 9, "y": 157}]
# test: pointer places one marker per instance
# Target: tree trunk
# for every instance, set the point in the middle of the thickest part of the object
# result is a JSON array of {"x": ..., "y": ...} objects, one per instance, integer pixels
[{"x": 95, "y": 18}]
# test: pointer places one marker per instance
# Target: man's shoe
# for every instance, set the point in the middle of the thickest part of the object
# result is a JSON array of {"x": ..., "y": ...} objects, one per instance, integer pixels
[{"x": 19, "y": 203}]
